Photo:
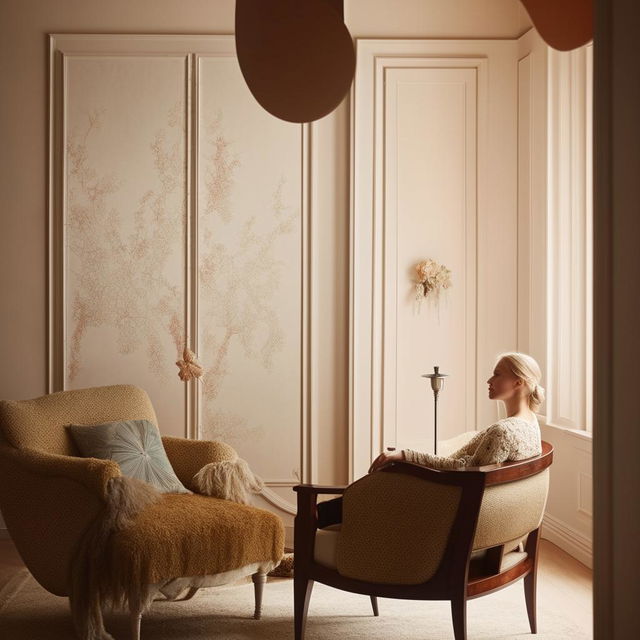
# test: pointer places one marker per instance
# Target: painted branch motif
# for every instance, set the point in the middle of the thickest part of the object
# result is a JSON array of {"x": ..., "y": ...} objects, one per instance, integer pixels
[
  {"x": 118, "y": 258},
  {"x": 239, "y": 273}
]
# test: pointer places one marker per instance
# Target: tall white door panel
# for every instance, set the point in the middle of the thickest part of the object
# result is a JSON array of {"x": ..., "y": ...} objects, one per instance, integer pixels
[{"x": 429, "y": 212}]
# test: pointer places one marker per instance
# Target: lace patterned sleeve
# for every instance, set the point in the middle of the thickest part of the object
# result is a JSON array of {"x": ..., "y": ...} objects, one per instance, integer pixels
[
  {"x": 487, "y": 447},
  {"x": 470, "y": 448},
  {"x": 435, "y": 462},
  {"x": 494, "y": 448}
]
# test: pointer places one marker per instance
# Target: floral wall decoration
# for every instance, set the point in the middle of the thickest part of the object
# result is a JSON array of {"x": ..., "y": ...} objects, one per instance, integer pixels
[
  {"x": 188, "y": 367},
  {"x": 432, "y": 279}
]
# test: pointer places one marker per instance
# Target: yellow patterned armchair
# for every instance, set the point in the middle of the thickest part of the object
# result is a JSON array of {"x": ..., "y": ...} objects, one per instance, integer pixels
[
  {"x": 57, "y": 506},
  {"x": 422, "y": 534}
]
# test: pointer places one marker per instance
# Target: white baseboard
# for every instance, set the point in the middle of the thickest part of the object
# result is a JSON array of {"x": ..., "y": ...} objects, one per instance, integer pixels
[{"x": 568, "y": 539}]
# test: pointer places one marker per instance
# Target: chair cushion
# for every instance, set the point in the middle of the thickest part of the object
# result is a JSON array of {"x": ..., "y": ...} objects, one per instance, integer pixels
[
  {"x": 194, "y": 535},
  {"x": 511, "y": 510},
  {"x": 135, "y": 445},
  {"x": 326, "y": 546}
]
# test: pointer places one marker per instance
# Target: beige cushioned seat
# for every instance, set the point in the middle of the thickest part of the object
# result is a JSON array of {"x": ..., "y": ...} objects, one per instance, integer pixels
[
  {"x": 326, "y": 546},
  {"x": 412, "y": 532},
  {"x": 507, "y": 513}
]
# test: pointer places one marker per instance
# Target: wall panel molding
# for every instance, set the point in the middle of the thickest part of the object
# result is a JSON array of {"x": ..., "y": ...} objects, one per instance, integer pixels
[
  {"x": 532, "y": 199},
  {"x": 292, "y": 216}
]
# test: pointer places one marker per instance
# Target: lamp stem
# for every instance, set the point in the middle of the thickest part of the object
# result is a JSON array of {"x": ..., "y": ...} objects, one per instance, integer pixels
[{"x": 435, "y": 423}]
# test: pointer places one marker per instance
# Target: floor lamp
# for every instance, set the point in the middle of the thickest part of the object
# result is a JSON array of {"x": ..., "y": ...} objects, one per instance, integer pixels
[{"x": 437, "y": 383}]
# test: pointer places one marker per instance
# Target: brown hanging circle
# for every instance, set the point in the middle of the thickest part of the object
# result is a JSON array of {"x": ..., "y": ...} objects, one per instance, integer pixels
[{"x": 296, "y": 56}]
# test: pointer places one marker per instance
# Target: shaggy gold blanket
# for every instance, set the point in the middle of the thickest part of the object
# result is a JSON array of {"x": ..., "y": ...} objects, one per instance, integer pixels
[
  {"x": 148, "y": 538},
  {"x": 191, "y": 535}
]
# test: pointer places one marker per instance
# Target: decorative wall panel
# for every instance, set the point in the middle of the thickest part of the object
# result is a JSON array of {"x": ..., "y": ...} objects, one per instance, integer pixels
[
  {"x": 429, "y": 212},
  {"x": 250, "y": 272},
  {"x": 178, "y": 212},
  {"x": 124, "y": 204}
]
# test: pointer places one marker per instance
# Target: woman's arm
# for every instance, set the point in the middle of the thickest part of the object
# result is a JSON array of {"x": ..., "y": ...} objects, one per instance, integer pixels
[
  {"x": 435, "y": 462},
  {"x": 487, "y": 447}
]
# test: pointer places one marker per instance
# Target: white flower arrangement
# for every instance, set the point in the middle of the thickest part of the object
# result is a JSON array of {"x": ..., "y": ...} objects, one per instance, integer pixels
[{"x": 432, "y": 279}]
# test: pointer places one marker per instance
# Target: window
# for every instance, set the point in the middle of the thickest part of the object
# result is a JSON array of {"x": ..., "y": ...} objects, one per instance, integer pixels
[{"x": 569, "y": 239}]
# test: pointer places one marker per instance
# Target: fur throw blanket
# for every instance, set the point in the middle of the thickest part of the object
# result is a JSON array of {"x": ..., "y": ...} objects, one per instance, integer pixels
[
  {"x": 229, "y": 480},
  {"x": 92, "y": 586},
  {"x": 96, "y": 583}
]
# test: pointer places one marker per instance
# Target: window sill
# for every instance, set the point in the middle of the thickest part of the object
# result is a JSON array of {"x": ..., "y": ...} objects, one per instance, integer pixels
[{"x": 580, "y": 434}]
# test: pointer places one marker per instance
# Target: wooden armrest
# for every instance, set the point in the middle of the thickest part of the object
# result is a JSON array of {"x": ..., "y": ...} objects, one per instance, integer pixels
[
  {"x": 306, "y": 521},
  {"x": 318, "y": 489},
  {"x": 516, "y": 470}
]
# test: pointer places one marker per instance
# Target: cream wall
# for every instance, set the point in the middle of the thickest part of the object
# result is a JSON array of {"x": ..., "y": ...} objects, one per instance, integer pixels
[{"x": 24, "y": 27}]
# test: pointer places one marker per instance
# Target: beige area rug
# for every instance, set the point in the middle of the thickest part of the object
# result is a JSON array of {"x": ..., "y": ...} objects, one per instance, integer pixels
[{"x": 28, "y": 612}]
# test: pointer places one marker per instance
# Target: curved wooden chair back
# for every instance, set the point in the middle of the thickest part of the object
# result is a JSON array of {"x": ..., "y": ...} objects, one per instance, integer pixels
[{"x": 483, "y": 508}]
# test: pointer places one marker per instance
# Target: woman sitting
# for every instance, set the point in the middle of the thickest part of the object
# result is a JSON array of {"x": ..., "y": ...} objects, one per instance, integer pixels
[{"x": 515, "y": 381}]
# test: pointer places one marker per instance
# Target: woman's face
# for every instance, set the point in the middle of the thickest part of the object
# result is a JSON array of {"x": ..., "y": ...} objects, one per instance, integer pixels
[{"x": 503, "y": 384}]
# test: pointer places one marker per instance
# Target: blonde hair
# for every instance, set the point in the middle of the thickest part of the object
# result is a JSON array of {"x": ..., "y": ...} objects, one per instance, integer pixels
[{"x": 523, "y": 366}]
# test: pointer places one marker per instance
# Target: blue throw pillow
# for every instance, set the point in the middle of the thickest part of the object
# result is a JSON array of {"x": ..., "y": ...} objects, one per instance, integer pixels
[{"x": 135, "y": 445}]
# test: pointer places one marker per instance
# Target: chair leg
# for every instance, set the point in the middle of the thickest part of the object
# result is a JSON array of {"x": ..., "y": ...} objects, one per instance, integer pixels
[
  {"x": 459, "y": 616},
  {"x": 530, "y": 597},
  {"x": 374, "y": 605},
  {"x": 530, "y": 580},
  {"x": 136, "y": 618},
  {"x": 258, "y": 587},
  {"x": 302, "y": 588}
]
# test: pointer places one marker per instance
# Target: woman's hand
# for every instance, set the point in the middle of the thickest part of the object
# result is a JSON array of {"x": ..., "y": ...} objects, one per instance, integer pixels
[{"x": 385, "y": 458}]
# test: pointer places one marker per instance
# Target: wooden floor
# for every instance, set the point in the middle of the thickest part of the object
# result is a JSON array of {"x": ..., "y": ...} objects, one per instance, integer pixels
[{"x": 561, "y": 579}]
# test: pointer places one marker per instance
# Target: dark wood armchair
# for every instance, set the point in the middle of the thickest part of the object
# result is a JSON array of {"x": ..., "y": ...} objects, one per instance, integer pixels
[{"x": 417, "y": 533}]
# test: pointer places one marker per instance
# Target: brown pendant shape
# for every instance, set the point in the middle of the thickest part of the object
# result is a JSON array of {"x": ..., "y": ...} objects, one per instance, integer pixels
[
  {"x": 563, "y": 24},
  {"x": 296, "y": 56}
]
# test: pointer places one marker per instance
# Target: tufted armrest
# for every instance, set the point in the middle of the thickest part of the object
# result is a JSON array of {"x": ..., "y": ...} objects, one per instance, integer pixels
[
  {"x": 187, "y": 457},
  {"x": 92, "y": 473},
  {"x": 60, "y": 496}
]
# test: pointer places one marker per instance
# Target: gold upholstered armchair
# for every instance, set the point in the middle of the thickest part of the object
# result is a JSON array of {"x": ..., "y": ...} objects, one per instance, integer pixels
[
  {"x": 83, "y": 534},
  {"x": 412, "y": 532}
]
